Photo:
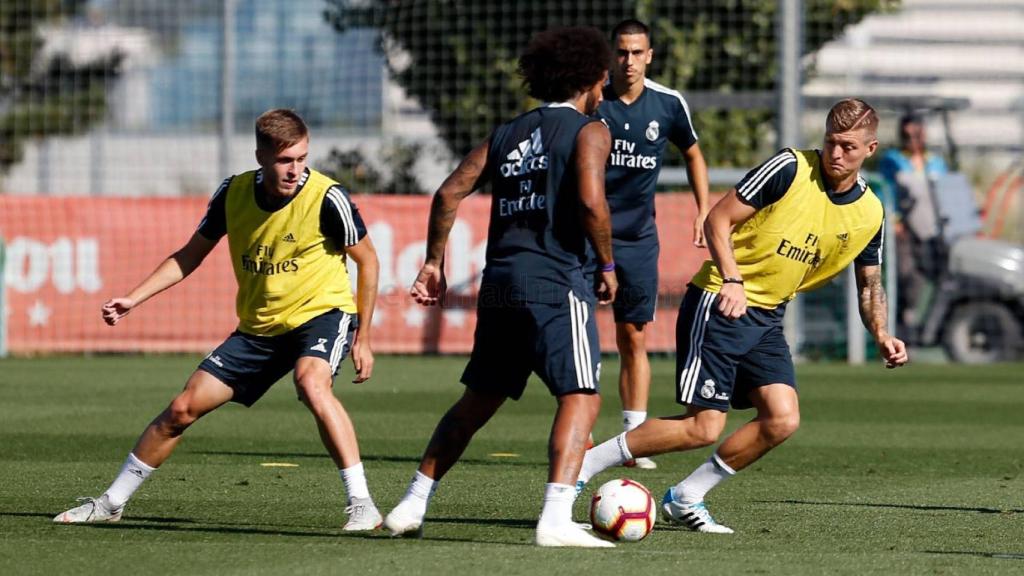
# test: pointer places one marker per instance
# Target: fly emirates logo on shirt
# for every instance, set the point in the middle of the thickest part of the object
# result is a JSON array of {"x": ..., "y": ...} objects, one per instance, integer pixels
[
  {"x": 263, "y": 264},
  {"x": 624, "y": 154},
  {"x": 809, "y": 253},
  {"x": 526, "y": 158}
]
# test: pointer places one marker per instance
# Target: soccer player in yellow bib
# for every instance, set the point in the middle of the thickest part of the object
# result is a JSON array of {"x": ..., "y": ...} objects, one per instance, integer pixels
[
  {"x": 290, "y": 230},
  {"x": 790, "y": 225}
]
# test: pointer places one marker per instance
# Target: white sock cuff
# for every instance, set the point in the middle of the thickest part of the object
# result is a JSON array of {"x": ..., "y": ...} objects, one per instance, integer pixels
[
  {"x": 556, "y": 491},
  {"x": 721, "y": 465},
  {"x": 136, "y": 462},
  {"x": 355, "y": 469},
  {"x": 620, "y": 440},
  {"x": 557, "y": 510},
  {"x": 422, "y": 486},
  {"x": 354, "y": 478},
  {"x": 633, "y": 418}
]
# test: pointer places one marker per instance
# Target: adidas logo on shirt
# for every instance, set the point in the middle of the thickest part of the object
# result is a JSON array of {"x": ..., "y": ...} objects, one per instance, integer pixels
[
  {"x": 527, "y": 157},
  {"x": 289, "y": 237}
]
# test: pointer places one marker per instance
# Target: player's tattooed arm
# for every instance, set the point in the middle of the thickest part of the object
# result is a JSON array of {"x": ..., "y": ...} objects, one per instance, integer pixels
[
  {"x": 461, "y": 183},
  {"x": 874, "y": 313},
  {"x": 592, "y": 148},
  {"x": 593, "y": 144},
  {"x": 429, "y": 287},
  {"x": 874, "y": 310}
]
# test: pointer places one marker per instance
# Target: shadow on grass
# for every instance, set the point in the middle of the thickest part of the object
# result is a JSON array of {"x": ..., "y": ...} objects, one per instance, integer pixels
[
  {"x": 137, "y": 524},
  {"x": 996, "y": 555},
  {"x": 50, "y": 515},
  {"x": 184, "y": 525},
  {"x": 926, "y": 507},
  {"x": 371, "y": 457},
  {"x": 504, "y": 522}
]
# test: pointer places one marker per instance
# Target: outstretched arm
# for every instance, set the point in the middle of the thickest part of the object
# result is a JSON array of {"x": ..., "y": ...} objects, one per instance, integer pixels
[
  {"x": 874, "y": 314},
  {"x": 697, "y": 172},
  {"x": 429, "y": 286},
  {"x": 365, "y": 256},
  {"x": 171, "y": 271},
  {"x": 592, "y": 147}
]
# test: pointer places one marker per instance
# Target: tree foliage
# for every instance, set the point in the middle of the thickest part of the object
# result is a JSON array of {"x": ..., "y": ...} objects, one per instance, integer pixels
[
  {"x": 40, "y": 98},
  {"x": 359, "y": 174},
  {"x": 458, "y": 57}
]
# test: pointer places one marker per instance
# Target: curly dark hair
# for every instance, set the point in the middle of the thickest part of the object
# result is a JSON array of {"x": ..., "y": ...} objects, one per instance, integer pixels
[{"x": 562, "y": 62}]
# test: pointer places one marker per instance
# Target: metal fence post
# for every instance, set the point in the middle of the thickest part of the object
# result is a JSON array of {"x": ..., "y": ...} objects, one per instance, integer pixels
[
  {"x": 227, "y": 86},
  {"x": 790, "y": 40}
]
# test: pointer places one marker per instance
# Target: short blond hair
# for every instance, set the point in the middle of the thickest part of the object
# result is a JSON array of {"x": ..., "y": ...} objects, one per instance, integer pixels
[
  {"x": 278, "y": 129},
  {"x": 851, "y": 114}
]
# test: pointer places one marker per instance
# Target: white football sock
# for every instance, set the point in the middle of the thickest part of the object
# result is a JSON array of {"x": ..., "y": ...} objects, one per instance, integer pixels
[
  {"x": 133, "y": 473},
  {"x": 558, "y": 499},
  {"x": 417, "y": 497},
  {"x": 702, "y": 480},
  {"x": 605, "y": 455},
  {"x": 355, "y": 481},
  {"x": 632, "y": 418}
]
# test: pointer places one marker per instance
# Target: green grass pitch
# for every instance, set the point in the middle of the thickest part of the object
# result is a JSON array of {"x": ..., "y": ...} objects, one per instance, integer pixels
[{"x": 915, "y": 471}]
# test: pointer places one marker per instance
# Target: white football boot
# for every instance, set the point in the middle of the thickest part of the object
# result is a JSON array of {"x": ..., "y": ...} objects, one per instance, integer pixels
[
  {"x": 693, "y": 516},
  {"x": 569, "y": 535},
  {"x": 362, "y": 515},
  {"x": 91, "y": 510},
  {"x": 403, "y": 521}
]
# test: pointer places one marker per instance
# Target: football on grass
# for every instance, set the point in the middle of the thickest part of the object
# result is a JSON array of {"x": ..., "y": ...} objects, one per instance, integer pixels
[{"x": 623, "y": 510}]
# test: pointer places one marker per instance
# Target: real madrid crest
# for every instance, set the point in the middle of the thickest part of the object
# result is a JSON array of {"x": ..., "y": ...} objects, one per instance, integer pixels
[
  {"x": 652, "y": 131},
  {"x": 708, "y": 389}
]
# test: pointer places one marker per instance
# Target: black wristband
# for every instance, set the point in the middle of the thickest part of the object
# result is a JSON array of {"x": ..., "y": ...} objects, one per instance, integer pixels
[{"x": 732, "y": 280}]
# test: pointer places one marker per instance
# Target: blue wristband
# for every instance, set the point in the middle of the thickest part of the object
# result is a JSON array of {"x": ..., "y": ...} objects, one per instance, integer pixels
[{"x": 609, "y": 267}]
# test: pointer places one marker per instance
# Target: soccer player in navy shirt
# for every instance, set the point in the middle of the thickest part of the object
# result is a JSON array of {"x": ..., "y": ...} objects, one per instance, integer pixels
[
  {"x": 643, "y": 117},
  {"x": 535, "y": 312}
]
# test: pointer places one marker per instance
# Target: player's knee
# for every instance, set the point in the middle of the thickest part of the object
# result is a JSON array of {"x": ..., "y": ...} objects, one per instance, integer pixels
[
  {"x": 779, "y": 428},
  {"x": 706, "y": 435},
  {"x": 705, "y": 431},
  {"x": 631, "y": 341},
  {"x": 178, "y": 416},
  {"x": 312, "y": 389},
  {"x": 462, "y": 421}
]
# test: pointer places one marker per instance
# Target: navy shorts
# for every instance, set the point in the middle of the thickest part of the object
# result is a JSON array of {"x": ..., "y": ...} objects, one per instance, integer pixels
[
  {"x": 251, "y": 364},
  {"x": 719, "y": 361},
  {"x": 636, "y": 267},
  {"x": 557, "y": 341}
]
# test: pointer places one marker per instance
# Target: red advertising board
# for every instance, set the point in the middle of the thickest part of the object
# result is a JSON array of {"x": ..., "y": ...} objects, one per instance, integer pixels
[{"x": 66, "y": 256}]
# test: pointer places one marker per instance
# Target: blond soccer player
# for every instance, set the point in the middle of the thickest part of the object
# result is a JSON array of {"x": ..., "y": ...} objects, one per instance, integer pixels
[
  {"x": 790, "y": 225},
  {"x": 290, "y": 231}
]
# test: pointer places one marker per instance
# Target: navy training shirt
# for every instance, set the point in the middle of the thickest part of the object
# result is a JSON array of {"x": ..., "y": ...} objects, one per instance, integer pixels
[
  {"x": 536, "y": 244},
  {"x": 640, "y": 131}
]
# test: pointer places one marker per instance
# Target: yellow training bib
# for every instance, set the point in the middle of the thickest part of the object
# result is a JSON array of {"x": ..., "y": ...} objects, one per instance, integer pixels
[
  {"x": 288, "y": 272},
  {"x": 799, "y": 242}
]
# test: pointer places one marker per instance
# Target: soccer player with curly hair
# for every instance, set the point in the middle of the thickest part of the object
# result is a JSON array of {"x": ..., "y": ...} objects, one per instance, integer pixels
[{"x": 535, "y": 312}]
